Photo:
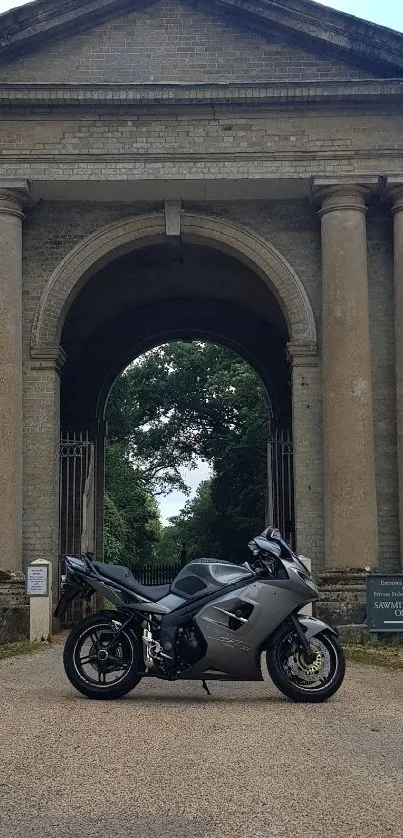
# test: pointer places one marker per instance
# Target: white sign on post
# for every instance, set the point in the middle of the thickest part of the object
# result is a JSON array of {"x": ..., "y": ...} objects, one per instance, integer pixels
[
  {"x": 39, "y": 589},
  {"x": 38, "y": 580}
]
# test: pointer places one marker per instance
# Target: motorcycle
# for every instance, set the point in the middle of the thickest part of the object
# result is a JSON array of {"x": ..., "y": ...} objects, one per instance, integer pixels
[{"x": 216, "y": 621}]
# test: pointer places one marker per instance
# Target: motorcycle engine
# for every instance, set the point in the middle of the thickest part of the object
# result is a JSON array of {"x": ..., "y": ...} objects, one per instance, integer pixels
[{"x": 190, "y": 645}]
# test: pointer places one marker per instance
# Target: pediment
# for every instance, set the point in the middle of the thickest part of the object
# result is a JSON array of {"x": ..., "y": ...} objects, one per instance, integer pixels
[{"x": 185, "y": 41}]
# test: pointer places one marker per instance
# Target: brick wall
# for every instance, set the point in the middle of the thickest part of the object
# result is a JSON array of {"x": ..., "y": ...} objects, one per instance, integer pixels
[
  {"x": 301, "y": 137},
  {"x": 175, "y": 41},
  {"x": 51, "y": 230}
]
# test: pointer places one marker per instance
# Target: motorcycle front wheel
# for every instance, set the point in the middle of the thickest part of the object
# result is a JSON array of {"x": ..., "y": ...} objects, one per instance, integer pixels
[
  {"x": 99, "y": 664},
  {"x": 299, "y": 679}
]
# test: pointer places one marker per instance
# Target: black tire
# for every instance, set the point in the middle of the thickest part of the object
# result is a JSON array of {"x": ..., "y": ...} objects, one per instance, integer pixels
[
  {"x": 301, "y": 687},
  {"x": 126, "y": 652}
]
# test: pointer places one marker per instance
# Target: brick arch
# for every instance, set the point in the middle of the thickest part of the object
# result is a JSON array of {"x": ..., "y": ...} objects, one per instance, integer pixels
[{"x": 109, "y": 242}]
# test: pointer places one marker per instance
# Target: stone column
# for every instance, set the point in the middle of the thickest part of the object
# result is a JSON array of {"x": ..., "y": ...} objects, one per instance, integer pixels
[
  {"x": 41, "y": 459},
  {"x": 12, "y": 198},
  {"x": 396, "y": 191},
  {"x": 307, "y": 451},
  {"x": 348, "y": 436}
]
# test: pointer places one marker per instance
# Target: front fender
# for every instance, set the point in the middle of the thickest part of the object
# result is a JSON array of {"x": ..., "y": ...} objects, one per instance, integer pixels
[{"x": 312, "y": 626}]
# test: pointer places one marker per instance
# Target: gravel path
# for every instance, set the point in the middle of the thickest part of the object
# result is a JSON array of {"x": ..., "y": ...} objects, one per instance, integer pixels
[{"x": 170, "y": 762}]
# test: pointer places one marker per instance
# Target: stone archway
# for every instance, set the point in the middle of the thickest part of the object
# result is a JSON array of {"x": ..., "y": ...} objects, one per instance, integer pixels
[
  {"x": 83, "y": 264},
  {"x": 115, "y": 239}
]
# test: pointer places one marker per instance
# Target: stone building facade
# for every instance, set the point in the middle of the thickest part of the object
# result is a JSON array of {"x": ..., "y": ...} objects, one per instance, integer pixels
[{"x": 225, "y": 169}]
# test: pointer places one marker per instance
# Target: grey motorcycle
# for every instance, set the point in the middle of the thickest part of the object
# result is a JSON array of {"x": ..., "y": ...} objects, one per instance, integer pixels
[{"x": 216, "y": 621}]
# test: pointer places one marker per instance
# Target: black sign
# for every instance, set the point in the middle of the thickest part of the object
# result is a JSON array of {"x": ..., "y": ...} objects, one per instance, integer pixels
[{"x": 385, "y": 602}]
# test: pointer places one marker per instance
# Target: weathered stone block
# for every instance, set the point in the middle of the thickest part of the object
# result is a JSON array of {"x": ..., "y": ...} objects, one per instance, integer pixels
[
  {"x": 14, "y": 607},
  {"x": 14, "y": 623},
  {"x": 342, "y": 599}
]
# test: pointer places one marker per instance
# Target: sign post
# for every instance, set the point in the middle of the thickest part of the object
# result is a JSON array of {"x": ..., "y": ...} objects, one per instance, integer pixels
[
  {"x": 39, "y": 591},
  {"x": 385, "y": 602}
]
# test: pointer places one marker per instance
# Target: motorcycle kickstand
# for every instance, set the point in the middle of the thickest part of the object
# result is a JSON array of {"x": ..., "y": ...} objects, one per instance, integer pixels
[{"x": 205, "y": 687}]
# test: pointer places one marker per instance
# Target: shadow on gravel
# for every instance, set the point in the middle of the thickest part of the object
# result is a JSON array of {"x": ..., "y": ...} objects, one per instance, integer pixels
[
  {"x": 166, "y": 698},
  {"x": 185, "y": 700}
]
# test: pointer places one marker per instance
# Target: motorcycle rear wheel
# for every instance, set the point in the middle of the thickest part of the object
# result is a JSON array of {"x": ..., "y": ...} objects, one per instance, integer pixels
[
  {"x": 302, "y": 681},
  {"x": 93, "y": 670}
]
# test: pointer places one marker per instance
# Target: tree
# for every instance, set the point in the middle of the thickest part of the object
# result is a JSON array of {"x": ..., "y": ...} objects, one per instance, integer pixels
[
  {"x": 184, "y": 401},
  {"x": 197, "y": 525},
  {"x": 115, "y": 531},
  {"x": 132, "y": 524},
  {"x": 170, "y": 548}
]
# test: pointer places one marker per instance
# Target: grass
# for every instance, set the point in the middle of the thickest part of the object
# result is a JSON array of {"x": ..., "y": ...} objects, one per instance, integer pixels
[
  {"x": 23, "y": 647},
  {"x": 377, "y": 654}
]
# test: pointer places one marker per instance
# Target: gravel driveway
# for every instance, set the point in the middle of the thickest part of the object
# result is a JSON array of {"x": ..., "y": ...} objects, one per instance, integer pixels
[{"x": 169, "y": 761}]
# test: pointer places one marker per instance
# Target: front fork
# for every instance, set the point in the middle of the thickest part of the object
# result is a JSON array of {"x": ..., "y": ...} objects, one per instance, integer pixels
[{"x": 309, "y": 655}]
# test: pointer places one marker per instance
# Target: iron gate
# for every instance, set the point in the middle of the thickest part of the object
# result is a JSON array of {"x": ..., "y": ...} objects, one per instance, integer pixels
[
  {"x": 77, "y": 505},
  {"x": 280, "y": 480}
]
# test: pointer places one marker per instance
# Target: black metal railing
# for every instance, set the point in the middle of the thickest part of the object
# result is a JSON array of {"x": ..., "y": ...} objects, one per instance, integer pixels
[
  {"x": 280, "y": 478},
  {"x": 156, "y": 574}
]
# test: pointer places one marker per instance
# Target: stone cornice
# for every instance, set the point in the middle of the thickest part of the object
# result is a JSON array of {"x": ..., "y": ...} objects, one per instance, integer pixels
[
  {"x": 352, "y": 35},
  {"x": 27, "y": 27},
  {"x": 169, "y": 95}
]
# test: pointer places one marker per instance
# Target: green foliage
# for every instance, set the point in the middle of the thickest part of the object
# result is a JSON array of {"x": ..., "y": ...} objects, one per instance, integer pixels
[
  {"x": 170, "y": 546},
  {"x": 197, "y": 526},
  {"x": 115, "y": 531},
  {"x": 132, "y": 525},
  {"x": 180, "y": 402}
]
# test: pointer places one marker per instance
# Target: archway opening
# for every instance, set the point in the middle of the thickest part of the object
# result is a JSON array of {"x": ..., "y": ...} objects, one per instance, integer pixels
[
  {"x": 188, "y": 430},
  {"x": 144, "y": 299}
]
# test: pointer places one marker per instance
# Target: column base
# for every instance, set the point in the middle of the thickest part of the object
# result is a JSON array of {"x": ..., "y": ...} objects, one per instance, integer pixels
[
  {"x": 342, "y": 597},
  {"x": 14, "y": 608}
]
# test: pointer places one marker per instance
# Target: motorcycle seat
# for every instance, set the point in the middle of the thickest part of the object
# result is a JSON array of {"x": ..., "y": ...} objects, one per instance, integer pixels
[{"x": 123, "y": 575}]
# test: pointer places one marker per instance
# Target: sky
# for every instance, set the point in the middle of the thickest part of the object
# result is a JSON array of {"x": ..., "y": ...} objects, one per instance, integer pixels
[
  {"x": 384, "y": 12},
  {"x": 172, "y": 503}
]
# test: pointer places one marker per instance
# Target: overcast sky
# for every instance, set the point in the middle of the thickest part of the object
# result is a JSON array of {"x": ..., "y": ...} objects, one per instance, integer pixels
[{"x": 385, "y": 12}]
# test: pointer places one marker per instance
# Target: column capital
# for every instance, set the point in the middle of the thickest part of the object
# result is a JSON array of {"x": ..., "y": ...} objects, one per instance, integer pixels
[
  {"x": 394, "y": 192},
  {"x": 14, "y": 195},
  {"x": 336, "y": 198},
  {"x": 334, "y": 194},
  {"x": 302, "y": 354}
]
